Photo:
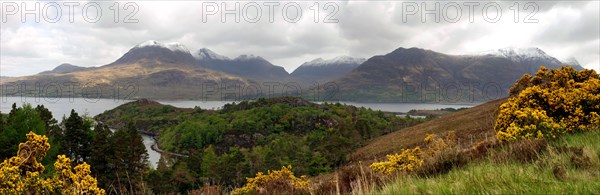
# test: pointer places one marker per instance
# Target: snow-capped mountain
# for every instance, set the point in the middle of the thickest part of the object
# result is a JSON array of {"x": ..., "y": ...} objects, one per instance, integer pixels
[
  {"x": 532, "y": 57},
  {"x": 154, "y": 52},
  {"x": 207, "y": 54},
  {"x": 321, "y": 70},
  {"x": 340, "y": 60},
  {"x": 521, "y": 54},
  {"x": 174, "y": 46}
]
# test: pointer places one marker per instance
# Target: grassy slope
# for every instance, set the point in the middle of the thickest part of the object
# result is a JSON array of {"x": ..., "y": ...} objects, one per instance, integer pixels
[
  {"x": 471, "y": 126},
  {"x": 511, "y": 177}
]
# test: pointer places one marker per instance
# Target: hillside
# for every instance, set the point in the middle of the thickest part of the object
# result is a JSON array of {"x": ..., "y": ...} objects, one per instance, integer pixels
[
  {"x": 471, "y": 126},
  {"x": 542, "y": 139},
  {"x": 567, "y": 166}
]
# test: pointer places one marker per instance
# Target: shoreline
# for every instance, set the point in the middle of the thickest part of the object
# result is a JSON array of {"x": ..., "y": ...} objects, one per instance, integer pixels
[{"x": 155, "y": 147}]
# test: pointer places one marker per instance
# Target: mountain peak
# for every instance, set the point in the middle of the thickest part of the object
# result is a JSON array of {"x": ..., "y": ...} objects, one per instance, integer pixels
[
  {"x": 64, "y": 65},
  {"x": 64, "y": 68},
  {"x": 156, "y": 51},
  {"x": 207, "y": 54},
  {"x": 337, "y": 60},
  {"x": 174, "y": 46}
]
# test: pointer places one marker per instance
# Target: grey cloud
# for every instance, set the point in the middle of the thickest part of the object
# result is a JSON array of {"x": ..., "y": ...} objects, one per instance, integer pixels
[
  {"x": 364, "y": 29},
  {"x": 572, "y": 30}
]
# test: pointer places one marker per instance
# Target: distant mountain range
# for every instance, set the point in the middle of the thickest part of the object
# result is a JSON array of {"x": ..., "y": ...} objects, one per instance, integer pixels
[
  {"x": 414, "y": 74},
  {"x": 170, "y": 71}
]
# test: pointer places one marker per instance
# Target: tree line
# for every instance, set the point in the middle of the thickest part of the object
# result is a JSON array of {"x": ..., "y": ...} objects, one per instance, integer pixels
[{"x": 118, "y": 160}]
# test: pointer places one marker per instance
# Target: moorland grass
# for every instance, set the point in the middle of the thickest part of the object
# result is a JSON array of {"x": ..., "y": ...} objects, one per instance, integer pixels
[{"x": 569, "y": 165}]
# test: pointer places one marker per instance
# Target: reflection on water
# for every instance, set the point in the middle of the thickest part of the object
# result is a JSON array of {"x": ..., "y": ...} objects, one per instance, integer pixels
[{"x": 62, "y": 107}]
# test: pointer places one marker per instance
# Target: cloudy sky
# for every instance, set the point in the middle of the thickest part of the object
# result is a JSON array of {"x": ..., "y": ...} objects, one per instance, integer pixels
[{"x": 325, "y": 29}]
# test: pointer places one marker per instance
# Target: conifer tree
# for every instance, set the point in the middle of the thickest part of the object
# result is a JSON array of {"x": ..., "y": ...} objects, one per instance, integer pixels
[
  {"x": 102, "y": 155},
  {"x": 77, "y": 138},
  {"x": 131, "y": 159}
]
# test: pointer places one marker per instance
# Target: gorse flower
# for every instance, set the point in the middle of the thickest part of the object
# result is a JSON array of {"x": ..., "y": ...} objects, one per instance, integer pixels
[
  {"x": 549, "y": 104},
  {"x": 283, "y": 178},
  {"x": 406, "y": 161},
  {"x": 21, "y": 174},
  {"x": 411, "y": 159}
]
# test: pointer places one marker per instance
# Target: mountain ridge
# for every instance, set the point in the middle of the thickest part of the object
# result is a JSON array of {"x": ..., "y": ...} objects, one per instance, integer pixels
[
  {"x": 410, "y": 74},
  {"x": 171, "y": 71}
]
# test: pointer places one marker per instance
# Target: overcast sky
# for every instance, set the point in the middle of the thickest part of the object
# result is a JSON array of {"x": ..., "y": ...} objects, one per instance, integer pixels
[{"x": 358, "y": 28}]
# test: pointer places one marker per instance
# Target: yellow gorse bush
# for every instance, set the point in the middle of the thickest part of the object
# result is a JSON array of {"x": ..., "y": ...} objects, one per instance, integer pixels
[
  {"x": 407, "y": 161},
  {"x": 411, "y": 159},
  {"x": 21, "y": 174},
  {"x": 283, "y": 178},
  {"x": 549, "y": 104}
]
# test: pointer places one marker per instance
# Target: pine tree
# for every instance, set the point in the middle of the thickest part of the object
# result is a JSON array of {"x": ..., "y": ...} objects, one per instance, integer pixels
[
  {"x": 159, "y": 180},
  {"x": 2, "y": 122},
  {"x": 102, "y": 155},
  {"x": 52, "y": 128},
  {"x": 77, "y": 138},
  {"x": 210, "y": 161},
  {"x": 131, "y": 159}
]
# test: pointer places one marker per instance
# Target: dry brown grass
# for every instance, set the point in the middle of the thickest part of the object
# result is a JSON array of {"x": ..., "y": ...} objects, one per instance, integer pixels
[
  {"x": 471, "y": 126},
  {"x": 523, "y": 151}
]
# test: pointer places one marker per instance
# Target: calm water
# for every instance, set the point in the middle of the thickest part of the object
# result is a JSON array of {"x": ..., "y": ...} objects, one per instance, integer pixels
[{"x": 62, "y": 107}]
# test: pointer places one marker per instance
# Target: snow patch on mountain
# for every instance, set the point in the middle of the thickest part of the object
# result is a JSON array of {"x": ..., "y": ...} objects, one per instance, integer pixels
[
  {"x": 519, "y": 54},
  {"x": 336, "y": 60},
  {"x": 207, "y": 54},
  {"x": 175, "y": 47}
]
